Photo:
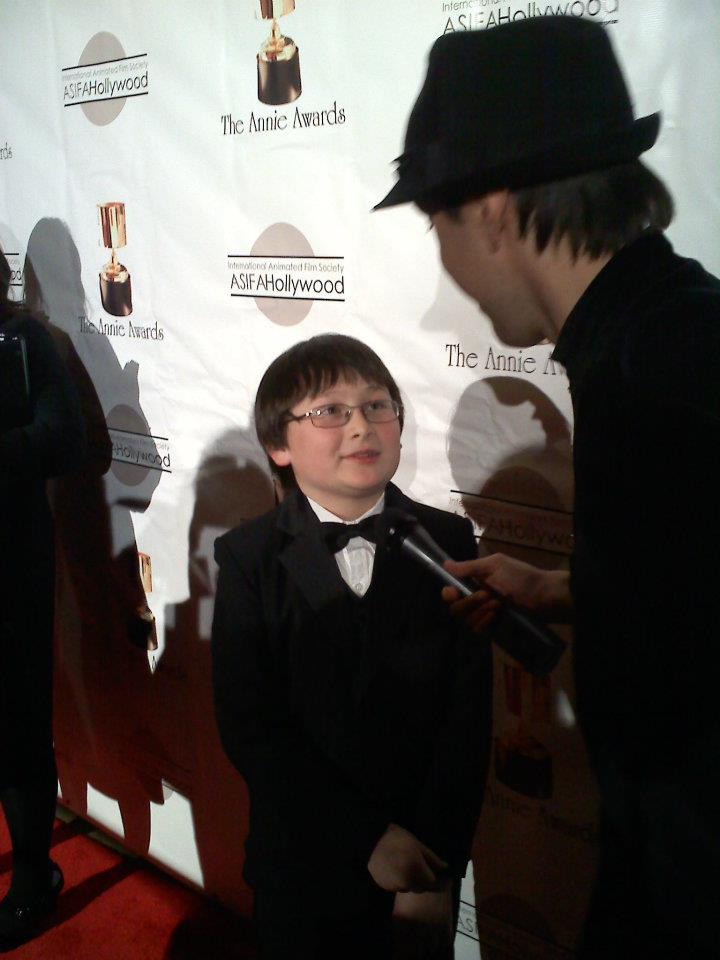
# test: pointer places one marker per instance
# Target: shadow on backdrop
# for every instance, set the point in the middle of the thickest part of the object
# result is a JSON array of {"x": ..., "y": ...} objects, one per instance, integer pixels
[
  {"x": 103, "y": 690},
  {"x": 232, "y": 485},
  {"x": 508, "y": 442},
  {"x": 510, "y": 454},
  {"x": 131, "y": 734}
]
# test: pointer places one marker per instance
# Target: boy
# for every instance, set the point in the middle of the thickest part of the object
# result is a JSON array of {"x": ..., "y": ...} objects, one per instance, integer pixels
[{"x": 357, "y": 711}]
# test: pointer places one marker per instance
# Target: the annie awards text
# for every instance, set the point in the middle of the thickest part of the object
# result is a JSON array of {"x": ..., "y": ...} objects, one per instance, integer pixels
[
  {"x": 583, "y": 830},
  {"x": 505, "y": 361},
  {"x": 272, "y": 122},
  {"x": 121, "y": 328}
]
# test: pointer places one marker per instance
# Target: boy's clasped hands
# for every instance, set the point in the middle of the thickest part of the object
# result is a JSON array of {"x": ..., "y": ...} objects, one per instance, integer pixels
[{"x": 423, "y": 912}]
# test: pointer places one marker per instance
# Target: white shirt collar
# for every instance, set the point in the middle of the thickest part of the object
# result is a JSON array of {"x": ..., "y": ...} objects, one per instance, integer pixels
[{"x": 325, "y": 516}]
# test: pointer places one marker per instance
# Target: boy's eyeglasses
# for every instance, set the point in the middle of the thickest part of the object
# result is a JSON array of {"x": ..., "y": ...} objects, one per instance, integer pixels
[{"x": 338, "y": 414}]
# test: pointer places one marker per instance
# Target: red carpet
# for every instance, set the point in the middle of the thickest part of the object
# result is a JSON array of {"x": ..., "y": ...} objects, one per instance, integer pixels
[{"x": 115, "y": 907}]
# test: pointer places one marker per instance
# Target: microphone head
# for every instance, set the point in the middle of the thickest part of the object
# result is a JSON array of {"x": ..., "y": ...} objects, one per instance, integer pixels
[{"x": 392, "y": 526}]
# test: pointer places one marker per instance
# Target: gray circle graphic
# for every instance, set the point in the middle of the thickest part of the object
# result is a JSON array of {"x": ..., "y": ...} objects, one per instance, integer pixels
[
  {"x": 282, "y": 239},
  {"x": 130, "y": 429},
  {"x": 99, "y": 49}
]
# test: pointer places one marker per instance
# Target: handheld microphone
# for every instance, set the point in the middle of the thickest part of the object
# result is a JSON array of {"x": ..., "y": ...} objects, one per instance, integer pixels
[{"x": 524, "y": 637}]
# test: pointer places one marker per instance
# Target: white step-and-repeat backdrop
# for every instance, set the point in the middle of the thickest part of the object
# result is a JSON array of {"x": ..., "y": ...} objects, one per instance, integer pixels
[{"x": 180, "y": 222}]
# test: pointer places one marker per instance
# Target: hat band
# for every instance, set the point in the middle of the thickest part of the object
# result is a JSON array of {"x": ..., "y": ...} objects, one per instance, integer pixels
[{"x": 443, "y": 163}]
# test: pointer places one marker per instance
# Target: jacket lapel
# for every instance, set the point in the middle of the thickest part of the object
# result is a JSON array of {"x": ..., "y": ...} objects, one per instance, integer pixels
[
  {"x": 306, "y": 558},
  {"x": 313, "y": 569},
  {"x": 394, "y": 576},
  {"x": 394, "y": 582}
]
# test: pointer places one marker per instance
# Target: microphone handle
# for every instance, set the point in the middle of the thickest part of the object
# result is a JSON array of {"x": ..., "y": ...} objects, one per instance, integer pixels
[
  {"x": 524, "y": 637},
  {"x": 416, "y": 551},
  {"x": 527, "y": 639}
]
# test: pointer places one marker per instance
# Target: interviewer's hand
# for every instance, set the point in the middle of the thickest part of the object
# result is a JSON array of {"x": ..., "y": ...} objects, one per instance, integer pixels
[
  {"x": 401, "y": 863},
  {"x": 423, "y": 925},
  {"x": 543, "y": 592}
]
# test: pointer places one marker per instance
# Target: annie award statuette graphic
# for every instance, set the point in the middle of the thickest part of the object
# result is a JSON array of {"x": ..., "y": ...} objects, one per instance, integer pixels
[
  {"x": 278, "y": 62},
  {"x": 144, "y": 612},
  {"x": 522, "y": 761},
  {"x": 115, "y": 289}
]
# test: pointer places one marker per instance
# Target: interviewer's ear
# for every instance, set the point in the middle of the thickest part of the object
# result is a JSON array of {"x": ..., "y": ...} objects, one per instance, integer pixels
[{"x": 491, "y": 215}]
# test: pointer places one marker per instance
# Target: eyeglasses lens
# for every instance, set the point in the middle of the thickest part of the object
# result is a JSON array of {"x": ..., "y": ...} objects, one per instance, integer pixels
[{"x": 373, "y": 412}]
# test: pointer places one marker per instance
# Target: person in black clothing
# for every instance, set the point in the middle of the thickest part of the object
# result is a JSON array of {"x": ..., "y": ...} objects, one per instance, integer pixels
[
  {"x": 546, "y": 217},
  {"x": 41, "y": 436}
]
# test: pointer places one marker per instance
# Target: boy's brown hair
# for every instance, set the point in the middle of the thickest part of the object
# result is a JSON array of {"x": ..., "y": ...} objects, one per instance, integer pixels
[{"x": 307, "y": 369}]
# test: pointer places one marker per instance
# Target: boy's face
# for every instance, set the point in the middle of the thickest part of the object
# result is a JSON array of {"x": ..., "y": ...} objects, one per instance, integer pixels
[{"x": 345, "y": 469}]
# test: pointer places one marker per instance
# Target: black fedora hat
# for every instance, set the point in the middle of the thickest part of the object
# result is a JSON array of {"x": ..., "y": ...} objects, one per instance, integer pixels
[{"x": 513, "y": 106}]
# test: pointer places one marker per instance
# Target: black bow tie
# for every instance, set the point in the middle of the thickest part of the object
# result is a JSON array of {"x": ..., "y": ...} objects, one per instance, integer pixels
[{"x": 338, "y": 535}]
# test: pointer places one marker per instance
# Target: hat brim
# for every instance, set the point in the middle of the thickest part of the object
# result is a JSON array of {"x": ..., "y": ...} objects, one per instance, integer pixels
[{"x": 557, "y": 162}]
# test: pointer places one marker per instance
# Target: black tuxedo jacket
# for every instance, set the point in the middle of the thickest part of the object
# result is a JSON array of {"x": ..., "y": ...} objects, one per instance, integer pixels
[{"x": 344, "y": 715}]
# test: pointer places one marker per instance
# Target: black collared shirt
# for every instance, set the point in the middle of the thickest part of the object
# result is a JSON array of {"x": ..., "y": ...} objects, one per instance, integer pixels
[{"x": 642, "y": 353}]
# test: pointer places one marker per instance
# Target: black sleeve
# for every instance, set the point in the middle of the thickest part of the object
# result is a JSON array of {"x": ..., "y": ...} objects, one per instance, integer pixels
[
  {"x": 450, "y": 802},
  {"x": 53, "y": 442},
  {"x": 298, "y": 795},
  {"x": 671, "y": 375}
]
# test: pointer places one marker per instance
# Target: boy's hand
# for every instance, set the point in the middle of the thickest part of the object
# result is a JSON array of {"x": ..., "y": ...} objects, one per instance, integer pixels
[
  {"x": 401, "y": 863},
  {"x": 423, "y": 925},
  {"x": 543, "y": 592}
]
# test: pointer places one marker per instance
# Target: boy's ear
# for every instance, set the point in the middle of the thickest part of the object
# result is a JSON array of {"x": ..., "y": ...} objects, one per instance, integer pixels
[{"x": 280, "y": 457}]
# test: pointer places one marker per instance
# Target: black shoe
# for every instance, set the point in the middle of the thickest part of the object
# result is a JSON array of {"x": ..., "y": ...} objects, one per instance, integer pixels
[{"x": 21, "y": 920}]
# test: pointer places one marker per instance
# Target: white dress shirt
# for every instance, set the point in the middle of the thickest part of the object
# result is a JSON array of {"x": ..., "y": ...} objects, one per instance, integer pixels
[{"x": 355, "y": 561}]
